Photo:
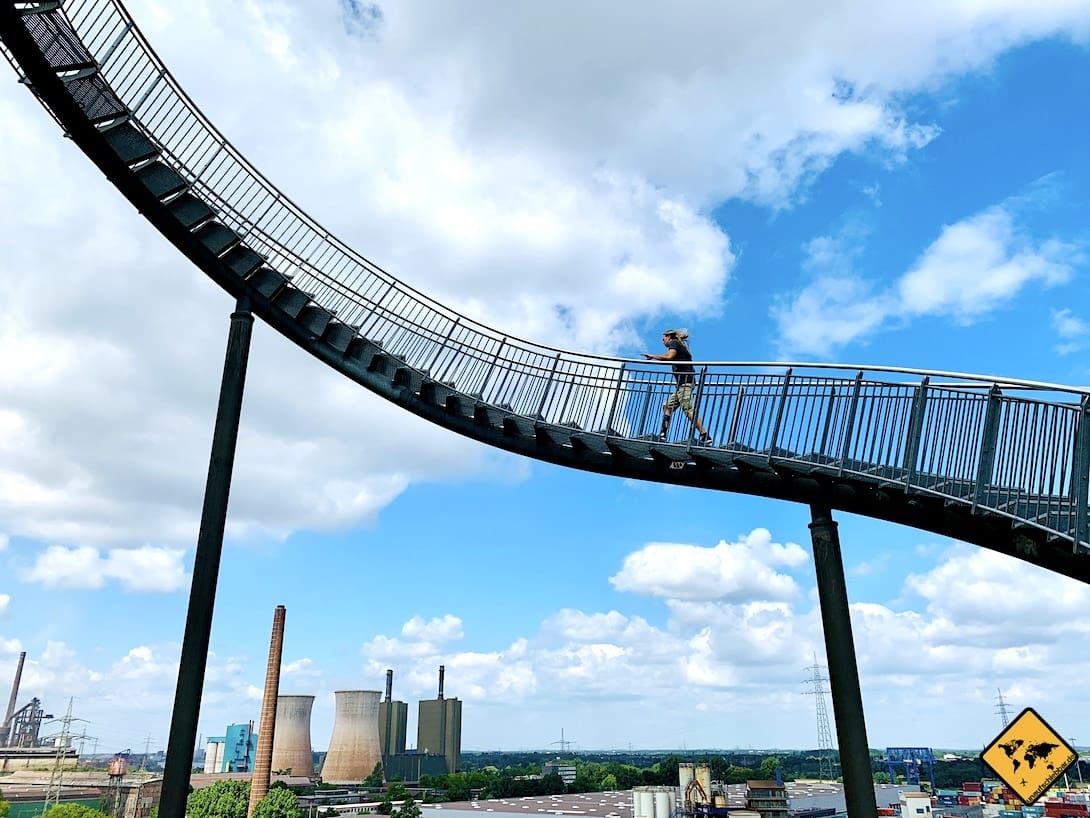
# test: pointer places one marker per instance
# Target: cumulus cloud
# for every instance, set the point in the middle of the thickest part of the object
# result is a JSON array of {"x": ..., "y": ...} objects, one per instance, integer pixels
[
  {"x": 734, "y": 572},
  {"x": 973, "y": 267},
  {"x": 1072, "y": 331},
  {"x": 447, "y": 628},
  {"x": 147, "y": 569}
]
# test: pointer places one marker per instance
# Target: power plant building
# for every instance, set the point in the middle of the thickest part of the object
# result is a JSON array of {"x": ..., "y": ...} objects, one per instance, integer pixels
[
  {"x": 393, "y": 720},
  {"x": 292, "y": 749},
  {"x": 233, "y": 752},
  {"x": 439, "y": 727},
  {"x": 354, "y": 749}
]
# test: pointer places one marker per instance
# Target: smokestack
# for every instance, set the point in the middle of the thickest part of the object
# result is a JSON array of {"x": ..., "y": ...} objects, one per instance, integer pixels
[
  {"x": 354, "y": 748},
  {"x": 12, "y": 701},
  {"x": 390, "y": 684},
  {"x": 259, "y": 781},
  {"x": 441, "y": 671},
  {"x": 292, "y": 749}
]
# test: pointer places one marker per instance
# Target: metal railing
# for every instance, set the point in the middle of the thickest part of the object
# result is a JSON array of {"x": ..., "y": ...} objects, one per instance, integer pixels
[{"x": 1016, "y": 448}]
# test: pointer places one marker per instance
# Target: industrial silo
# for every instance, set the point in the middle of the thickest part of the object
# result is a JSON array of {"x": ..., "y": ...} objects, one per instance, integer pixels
[
  {"x": 643, "y": 803},
  {"x": 704, "y": 777},
  {"x": 664, "y": 802},
  {"x": 292, "y": 749},
  {"x": 354, "y": 748},
  {"x": 685, "y": 774}
]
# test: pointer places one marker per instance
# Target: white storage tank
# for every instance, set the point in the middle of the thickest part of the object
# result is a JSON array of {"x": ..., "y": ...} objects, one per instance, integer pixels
[
  {"x": 643, "y": 803},
  {"x": 664, "y": 802}
]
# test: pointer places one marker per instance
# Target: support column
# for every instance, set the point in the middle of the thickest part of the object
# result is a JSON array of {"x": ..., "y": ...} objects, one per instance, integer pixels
[
  {"x": 206, "y": 563},
  {"x": 851, "y": 729},
  {"x": 266, "y": 731}
]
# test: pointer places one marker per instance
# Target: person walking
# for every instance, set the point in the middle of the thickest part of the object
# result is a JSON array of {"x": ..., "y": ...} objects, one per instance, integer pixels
[{"x": 677, "y": 349}]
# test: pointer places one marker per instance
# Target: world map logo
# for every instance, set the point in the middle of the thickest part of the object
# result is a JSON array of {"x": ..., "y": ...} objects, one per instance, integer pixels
[{"x": 1028, "y": 756}]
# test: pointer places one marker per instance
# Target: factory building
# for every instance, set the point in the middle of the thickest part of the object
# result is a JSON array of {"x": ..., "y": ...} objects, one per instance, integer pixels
[
  {"x": 233, "y": 752},
  {"x": 393, "y": 719},
  {"x": 439, "y": 727}
]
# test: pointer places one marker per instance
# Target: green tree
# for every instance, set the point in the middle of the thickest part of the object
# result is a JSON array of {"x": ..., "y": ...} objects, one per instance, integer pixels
[
  {"x": 409, "y": 809},
  {"x": 768, "y": 767},
  {"x": 374, "y": 780},
  {"x": 224, "y": 799},
  {"x": 881, "y": 778},
  {"x": 73, "y": 811},
  {"x": 5, "y": 806},
  {"x": 279, "y": 803},
  {"x": 609, "y": 782}
]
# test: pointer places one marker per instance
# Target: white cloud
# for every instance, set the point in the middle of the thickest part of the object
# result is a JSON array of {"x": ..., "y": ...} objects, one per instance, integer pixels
[
  {"x": 447, "y": 628},
  {"x": 560, "y": 192},
  {"x": 733, "y": 572},
  {"x": 5, "y": 603},
  {"x": 1072, "y": 330},
  {"x": 972, "y": 268},
  {"x": 148, "y": 569},
  {"x": 4, "y": 542}
]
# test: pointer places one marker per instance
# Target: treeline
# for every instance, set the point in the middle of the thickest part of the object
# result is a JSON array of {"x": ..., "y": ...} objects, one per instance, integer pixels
[{"x": 512, "y": 775}]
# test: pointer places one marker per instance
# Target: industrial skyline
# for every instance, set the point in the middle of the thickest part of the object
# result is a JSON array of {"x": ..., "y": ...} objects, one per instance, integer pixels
[{"x": 864, "y": 186}]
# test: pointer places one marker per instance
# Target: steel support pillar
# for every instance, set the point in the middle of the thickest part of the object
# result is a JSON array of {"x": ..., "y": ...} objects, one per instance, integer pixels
[
  {"x": 206, "y": 564},
  {"x": 851, "y": 729}
]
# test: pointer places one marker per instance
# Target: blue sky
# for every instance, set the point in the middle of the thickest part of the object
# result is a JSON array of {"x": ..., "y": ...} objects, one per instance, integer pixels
[{"x": 899, "y": 187}]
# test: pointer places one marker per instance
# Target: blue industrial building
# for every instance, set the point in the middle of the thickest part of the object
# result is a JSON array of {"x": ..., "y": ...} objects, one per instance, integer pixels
[{"x": 232, "y": 753}]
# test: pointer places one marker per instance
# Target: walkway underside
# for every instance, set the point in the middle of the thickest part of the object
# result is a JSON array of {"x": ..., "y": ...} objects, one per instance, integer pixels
[{"x": 1001, "y": 464}]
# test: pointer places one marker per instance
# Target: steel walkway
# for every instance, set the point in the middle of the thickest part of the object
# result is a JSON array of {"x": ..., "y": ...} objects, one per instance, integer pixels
[{"x": 1003, "y": 464}]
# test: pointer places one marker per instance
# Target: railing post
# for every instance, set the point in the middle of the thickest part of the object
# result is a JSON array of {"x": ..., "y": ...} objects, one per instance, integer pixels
[
  {"x": 732, "y": 434},
  {"x": 375, "y": 311},
  {"x": 849, "y": 424},
  {"x": 548, "y": 388},
  {"x": 492, "y": 367},
  {"x": 616, "y": 399},
  {"x": 915, "y": 431},
  {"x": 828, "y": 420},
  {"x": 443, "y": 345},
  {"x": 642, "y": 425},
  {"x": 989, "y": 441},
  {"x": 1081, "y": 479},
  {"x": 698, "y": 393},
  {"x": 774, "y": 439}
]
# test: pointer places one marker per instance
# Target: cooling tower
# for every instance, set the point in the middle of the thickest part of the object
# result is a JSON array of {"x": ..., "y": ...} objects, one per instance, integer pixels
[
  {"x": 291, "y": 743},
  {"x": 354, "y": 747}
]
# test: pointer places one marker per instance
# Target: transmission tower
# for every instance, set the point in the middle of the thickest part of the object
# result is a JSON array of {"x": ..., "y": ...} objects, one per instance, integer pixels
[
  {"x": 53, "y": 793},
  {"x": 564, "y": 745},
  {"x": 826, "y": 761},
  {"x": 1001, "y": 708}
]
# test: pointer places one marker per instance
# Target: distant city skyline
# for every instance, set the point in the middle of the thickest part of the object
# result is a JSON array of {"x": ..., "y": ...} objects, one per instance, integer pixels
[{"x": 897, "y": 185}]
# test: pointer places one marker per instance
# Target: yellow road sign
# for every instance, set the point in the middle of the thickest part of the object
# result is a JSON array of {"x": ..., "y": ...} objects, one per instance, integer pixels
[{"x": 1028, "y": 756}]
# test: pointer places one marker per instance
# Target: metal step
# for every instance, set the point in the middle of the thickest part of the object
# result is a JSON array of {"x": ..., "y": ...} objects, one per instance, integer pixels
[
  {"x": 315, "y": 319},
  {"x": 242, "y": 260},
  {"x": 268, "y": 281},
  {"x": 216, "y": 237},
  {"x": 161, "y": 180},
  {"x": 188, "y": 209}
]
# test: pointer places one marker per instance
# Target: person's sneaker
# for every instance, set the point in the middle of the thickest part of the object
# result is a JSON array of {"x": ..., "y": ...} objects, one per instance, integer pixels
[
  {"x": 661, "y": 438},
  {"x": 704, "y": 440}
]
